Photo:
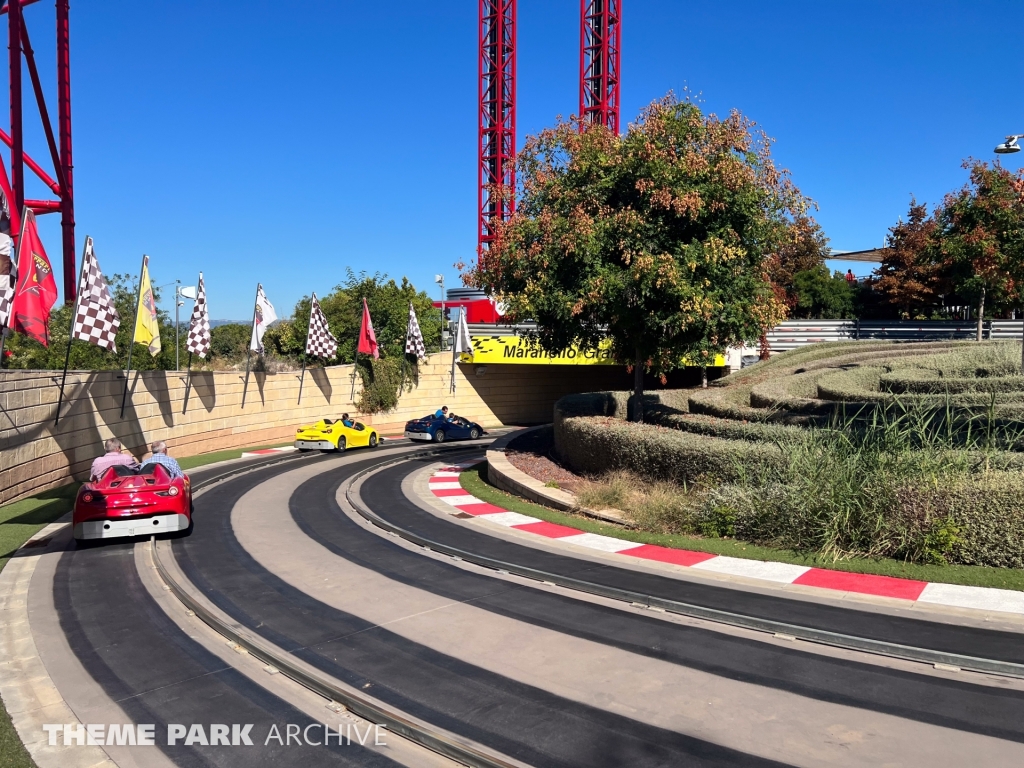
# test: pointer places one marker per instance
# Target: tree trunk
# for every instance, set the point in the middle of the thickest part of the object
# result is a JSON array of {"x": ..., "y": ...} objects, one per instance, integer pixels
[
  {"x": 981, "y": 314},
  {"x": 638, "y": 387},
  {"x": 703, "y": 378}
]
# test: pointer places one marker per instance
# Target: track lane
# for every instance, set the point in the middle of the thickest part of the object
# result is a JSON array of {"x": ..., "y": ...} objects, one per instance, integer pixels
[
  {"x": 522, "y": 721},
  {"x": 292, "y": 619},
  {"x": 382, "y": 491}
]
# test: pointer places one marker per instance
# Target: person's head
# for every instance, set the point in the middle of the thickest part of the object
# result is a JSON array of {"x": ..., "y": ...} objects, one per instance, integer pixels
[
  {"x": 344, "y": 417},
  {"x": 113, "y": 445},
  {"x": 158, "y": 447},
  {"x": 444, "y": 409}
]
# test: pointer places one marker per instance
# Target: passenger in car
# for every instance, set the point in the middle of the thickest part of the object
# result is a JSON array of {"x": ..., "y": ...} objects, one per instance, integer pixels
[
  {"x": 346, "y": 421},
  {"x": 112, "y": 458},
  {"x": 159, "y": 449}
]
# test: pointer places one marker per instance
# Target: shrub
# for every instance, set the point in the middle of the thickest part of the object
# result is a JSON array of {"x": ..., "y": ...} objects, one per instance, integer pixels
[{"x": 593, "y": 445}]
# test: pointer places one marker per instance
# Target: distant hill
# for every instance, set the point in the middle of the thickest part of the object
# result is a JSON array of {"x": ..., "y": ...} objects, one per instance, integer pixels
[{"x": 215, "y": 323}]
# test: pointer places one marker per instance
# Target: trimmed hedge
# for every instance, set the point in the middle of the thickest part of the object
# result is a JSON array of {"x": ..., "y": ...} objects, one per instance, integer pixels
[{"x": 592, "y": 437}]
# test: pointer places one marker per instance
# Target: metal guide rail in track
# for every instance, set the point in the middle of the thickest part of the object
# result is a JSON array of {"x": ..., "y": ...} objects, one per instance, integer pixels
[
  {"x": 782, "y": 629},
  {"x": 370, "y": 709}
]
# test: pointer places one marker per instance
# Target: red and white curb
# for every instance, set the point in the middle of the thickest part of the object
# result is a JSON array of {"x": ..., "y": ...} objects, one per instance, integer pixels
[{"x": 445, "y": 485}]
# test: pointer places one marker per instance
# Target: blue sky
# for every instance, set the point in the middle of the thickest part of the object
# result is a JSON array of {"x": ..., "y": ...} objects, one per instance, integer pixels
[{"x": 261, "y": 144}]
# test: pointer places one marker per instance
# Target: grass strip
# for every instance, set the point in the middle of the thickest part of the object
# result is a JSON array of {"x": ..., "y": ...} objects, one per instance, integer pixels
[
  {"x": 474, "y": 481},
  {"x": 19, "y": 521}
]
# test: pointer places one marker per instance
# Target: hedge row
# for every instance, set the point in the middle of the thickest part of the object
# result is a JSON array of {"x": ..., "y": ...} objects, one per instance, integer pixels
[
  {"x": 729, "y": 429},
  {"x": 927, "y": 382},
  {"x": 597, "y": 444}
]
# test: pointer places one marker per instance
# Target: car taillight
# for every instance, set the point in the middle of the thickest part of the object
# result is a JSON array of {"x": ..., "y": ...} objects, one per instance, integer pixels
[
  {"x": 90, "y": 496},
  {"x": 172, "y": 491},
  {"x": 86, "y": 497}
]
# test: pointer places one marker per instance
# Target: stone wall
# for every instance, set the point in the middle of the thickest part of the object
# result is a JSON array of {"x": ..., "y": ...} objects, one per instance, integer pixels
[{"x": 36, "y": 455}]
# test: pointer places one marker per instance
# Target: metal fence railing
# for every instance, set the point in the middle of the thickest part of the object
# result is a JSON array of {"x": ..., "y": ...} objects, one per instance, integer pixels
[{"x": 798, "y": 333}]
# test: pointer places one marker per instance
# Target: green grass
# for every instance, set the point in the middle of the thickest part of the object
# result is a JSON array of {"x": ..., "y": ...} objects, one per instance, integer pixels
[
  {"x": 475, "y": 482},
  {"x": 19, "y": 521}
]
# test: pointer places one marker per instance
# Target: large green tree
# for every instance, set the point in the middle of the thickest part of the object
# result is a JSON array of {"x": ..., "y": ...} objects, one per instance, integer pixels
[{"x": 658, "y": 240}]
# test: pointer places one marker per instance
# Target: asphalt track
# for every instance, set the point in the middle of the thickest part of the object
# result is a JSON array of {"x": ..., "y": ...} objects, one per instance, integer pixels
[
  {"x": 157, "y": 674},
  {"x": 382, "y": 493},
  {"x": 525, "y": 722}
]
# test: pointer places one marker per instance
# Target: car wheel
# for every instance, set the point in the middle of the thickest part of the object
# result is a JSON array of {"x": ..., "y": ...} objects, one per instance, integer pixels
[
  {"x": 474, "y": 433},
  {"x": 439, "y": 436},
  {"x": 341, "y": 443},
  {"x": 373, "y": 440}
]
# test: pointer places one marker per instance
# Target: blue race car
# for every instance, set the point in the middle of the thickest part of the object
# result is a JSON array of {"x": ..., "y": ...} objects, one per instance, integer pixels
[{"x": 432, "y": 428}]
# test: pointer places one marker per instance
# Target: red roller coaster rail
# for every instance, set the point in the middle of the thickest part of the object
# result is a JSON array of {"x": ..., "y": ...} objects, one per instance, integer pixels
[
  {"x": 600, "y": 48},
  {"x": 497, "y": 139},
  {"x": 21, "y": 52}
]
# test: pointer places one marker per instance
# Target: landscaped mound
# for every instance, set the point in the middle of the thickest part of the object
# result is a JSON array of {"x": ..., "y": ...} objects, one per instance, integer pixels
[{"x": 881, "y": 449}]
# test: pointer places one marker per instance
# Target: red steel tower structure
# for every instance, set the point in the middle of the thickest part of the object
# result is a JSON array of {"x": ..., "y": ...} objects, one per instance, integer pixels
[
  {"x": 21, "y": 53},
  {"x": 600, "y": 46},
  {"x": 497, "y": 139}
]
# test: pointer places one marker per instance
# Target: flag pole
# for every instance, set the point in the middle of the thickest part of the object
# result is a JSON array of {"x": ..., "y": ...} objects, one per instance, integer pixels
[
  {"x": 455, "y": 345},
  {"x": 131, "y": 344},
  {"x": 188, "y": 381},
  {"x": 308, "y": 326},
  {"x": 248, "y": 354},
  {"x": 71, "y": 333}
]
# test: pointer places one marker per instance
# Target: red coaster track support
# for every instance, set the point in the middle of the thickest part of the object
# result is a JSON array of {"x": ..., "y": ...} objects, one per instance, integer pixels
[
  {"x": 497, "y": 140},
  {"x": 600, "y": 46},
  {"x": 20, "y": 50}
]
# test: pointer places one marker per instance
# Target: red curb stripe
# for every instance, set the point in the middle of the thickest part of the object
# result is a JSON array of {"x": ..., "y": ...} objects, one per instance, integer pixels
[
  {"x": 550, "y": 530},
  {"x": 480, "y": 509},
  {"x": 869, "y": 584},
  {"x": 451, "y": 492},
  {"x": 668, "y": 555}
]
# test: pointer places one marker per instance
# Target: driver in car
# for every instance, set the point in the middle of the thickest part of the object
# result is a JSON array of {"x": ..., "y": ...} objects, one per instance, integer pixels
[
  {"x": 346, "y": 421},
  {"x": 112, "y": 458}
]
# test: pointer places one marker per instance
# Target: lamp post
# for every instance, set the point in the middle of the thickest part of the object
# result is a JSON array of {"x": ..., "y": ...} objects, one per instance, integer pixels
[
  {"x": 439, "y": 279},
  {"x": 1009, "y": 146},
  {"x": 188, "y": 292}
]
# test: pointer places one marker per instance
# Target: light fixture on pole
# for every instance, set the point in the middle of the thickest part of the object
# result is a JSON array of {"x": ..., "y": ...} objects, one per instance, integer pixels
[
  {"x": 1009, "y": 146},
  {"x": 439, "y": 279},
  {"x": 186, "y": 292}
]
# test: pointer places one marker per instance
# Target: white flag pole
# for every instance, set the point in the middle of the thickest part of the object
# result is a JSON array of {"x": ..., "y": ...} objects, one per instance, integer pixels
[
  {"x": 248, "y": 353},
  {"x": 71, "y": 330}
]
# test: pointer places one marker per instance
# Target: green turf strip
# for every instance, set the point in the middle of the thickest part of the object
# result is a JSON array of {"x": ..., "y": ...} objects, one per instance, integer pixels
[
  {"x": 19, "y": 521},
  {"x": 474, "y": 480}
]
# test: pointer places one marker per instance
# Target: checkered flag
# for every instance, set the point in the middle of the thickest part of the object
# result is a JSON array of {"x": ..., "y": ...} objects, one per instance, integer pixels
[
  {"x": 199, "y": 326},
  {"x": 319, "y": 341},
  {"x": 414, "y": 338},
  {"x": 96, "y": 318}
]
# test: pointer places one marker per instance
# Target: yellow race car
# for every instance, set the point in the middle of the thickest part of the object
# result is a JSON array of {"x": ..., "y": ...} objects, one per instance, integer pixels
[{"x": 333, "y": 435}]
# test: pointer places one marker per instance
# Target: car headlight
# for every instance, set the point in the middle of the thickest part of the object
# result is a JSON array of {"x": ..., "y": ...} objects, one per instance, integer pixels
[{"x": 172, "y": 491}]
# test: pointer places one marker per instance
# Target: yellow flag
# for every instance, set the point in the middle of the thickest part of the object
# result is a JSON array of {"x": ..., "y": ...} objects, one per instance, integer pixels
[{"x": 147, "y": 330}]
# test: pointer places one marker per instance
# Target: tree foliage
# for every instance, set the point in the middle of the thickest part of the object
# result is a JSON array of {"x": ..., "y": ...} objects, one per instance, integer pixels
[
  {"x": 822, "y": 295},
  {"x": 804, "y": 248},
  {"x": 970, "y": 250},
  {"x": 27, "y": 353},
  {"x": 658, "y": 239}
]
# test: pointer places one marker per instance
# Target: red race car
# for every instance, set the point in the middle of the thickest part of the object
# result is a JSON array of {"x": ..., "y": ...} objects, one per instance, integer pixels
[{"x": 133, "y": 502}]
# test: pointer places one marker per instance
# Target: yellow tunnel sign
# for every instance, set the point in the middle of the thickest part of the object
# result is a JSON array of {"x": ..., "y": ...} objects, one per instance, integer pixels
[{"x": 495, "y": 350}]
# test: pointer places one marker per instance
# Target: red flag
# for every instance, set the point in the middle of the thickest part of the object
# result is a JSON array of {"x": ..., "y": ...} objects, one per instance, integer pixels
[
  {"x": 7, "y": 205},
  {"x": 367, "y": 338},
  {"x": 35, "y": 290}
]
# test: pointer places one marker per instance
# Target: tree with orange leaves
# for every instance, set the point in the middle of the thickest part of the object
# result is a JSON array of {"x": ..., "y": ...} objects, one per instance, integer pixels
[
  {"x": 657, "y": 240},
  {"x": 980, "y": 233},
  {"x": 913, "y": 274}
]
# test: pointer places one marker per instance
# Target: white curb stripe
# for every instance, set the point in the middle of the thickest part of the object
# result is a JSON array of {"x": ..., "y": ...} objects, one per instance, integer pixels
[
  {"x": 785, "y": 573},
  {"x": 444, "y": 486},
  {"x": 980, "y": 598},
  {"x": 508, "y": 519},
  {"x": 441, "y": 473},
  {"x": 597, "y": 541},
  {"x": 460, "y": 501}
]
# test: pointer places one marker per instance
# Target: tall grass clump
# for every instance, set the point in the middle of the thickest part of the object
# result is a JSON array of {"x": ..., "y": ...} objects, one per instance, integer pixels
[{"x": 874, "y": 483}]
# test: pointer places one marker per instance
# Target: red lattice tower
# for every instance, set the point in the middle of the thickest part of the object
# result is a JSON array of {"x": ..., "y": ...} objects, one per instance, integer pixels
[
  {"x": 497, "y": 140},
  {"x": 600, "y": 46},
  {"x": 60, "y": 147}
]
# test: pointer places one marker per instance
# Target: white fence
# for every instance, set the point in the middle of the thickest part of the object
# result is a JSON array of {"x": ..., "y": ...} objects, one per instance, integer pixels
[{"x": 798, "y": 333}]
